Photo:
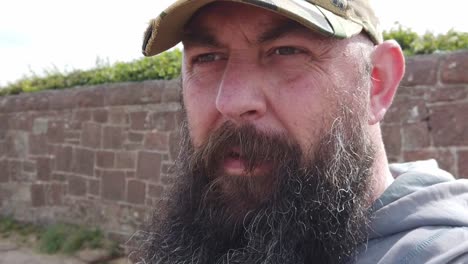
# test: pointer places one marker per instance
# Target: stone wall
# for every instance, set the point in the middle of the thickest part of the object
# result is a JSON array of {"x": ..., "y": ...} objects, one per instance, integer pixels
[
  {"x": 429, "y": 116},
  {"x": 101, "y": 155},
  {"x": 92, "y": 155}
]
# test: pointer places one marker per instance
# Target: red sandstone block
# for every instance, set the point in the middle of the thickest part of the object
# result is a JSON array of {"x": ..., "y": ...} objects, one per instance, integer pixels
[
  {"x": 174, "y": 145},
  {"x": 55, "y": 194},
  {"x": 94, "y": 187},
  {"x": 91, "y": 135},
  {"x": 447, "y": 94},
  {"x": 4, "y": 171},
  {"x": 82, "y": 115},
  {"x": 463, "y": 164},
  {"x": 392, "y": 139},
  {"x": 100, "y": 115},
  {"x": 63, "y": 99},
  {"x": 421, "y": 70},
  {"x": 15, "y": 168},
  {"x": 90, "y": 97},
  {"x": 163, "y": 121},
  {"x": 105, "y": 159},
  {"x": 38, "y": 144},
  {"x": 38, "y": 198},
  {"x": 83, "y": 161},
  {"x": 134, "y": 93},
  {"x": 444, "y": 157},
  {"x": 57, "y": 176},
  {"x": 72, "y": 136},
  {"x": 113, "y": 137},
  {"x": 149, "y": 165},
  {"x": 130, "y": 174},
  {"x": 3, "y": 149},
  {"x": 138, "y": 121},
  {"x": 29, "y": 166},
  {"x": 125, "y": 160},
  {"x": 63, "y": 158},
  {"x": 113, "y": 185},
  {"x": 155, "y": 140},
  {"x": 136, "y": 192},
  {"x": 155, "y": 191},
  {"x": 449, "y": 124},
  {"x": 56, "y": 131},
  {"x": 76, "y": 185},
  {"x": 406, "y": 109},
  {"x": 21, "y": 121},
  {"x": 124, "y": 94},
  {"x": 35, "y": 101},
  {"x": 172, "y": 91},
  {"x": 455, "y": 68},
  {"x": 44, "y": 168},
  {"x": 416, "y": 136},
  {"x": 135, "y": 137},
  {"x": 118, "y": 116},
  {"x": 16, "y": 144},
  {"x": 4, "y": 118}
]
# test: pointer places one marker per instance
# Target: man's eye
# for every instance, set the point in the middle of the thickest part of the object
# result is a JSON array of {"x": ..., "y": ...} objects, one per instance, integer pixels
[
  {"x": 287, "y": 51},
  {"x": 209, "y": 57}
]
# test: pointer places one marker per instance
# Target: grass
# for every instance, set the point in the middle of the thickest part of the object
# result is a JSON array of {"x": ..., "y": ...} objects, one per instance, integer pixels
[
  {"x": 57, "y": 238},
  {"x": 9, "y": 227}
]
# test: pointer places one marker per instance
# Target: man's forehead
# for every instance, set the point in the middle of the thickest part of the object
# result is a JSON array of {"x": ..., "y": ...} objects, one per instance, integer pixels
[
  {"x": 210, "y": 20},
  {"x": 222, "y": 11}
]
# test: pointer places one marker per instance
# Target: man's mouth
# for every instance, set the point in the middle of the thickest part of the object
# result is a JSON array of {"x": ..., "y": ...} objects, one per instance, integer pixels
[{"x": 236, "y": 165}]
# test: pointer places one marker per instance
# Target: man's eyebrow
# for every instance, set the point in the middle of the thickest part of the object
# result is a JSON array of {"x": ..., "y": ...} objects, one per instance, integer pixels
[
  {"x": 280, "y": 30},
  {"x": 203, "y": 37},
  {"x": 200, "y": 37}
]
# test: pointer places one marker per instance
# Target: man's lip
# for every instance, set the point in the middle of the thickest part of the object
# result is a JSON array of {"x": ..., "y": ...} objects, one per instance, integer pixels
[{"x": 238, "y": 166}]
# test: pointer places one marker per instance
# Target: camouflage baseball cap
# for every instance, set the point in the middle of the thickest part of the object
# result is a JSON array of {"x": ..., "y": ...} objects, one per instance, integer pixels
[{"x": 338, "y": 18}]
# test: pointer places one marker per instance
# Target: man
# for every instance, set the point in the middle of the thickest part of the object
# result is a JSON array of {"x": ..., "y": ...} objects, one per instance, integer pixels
[{"x": 282, "y": 157}]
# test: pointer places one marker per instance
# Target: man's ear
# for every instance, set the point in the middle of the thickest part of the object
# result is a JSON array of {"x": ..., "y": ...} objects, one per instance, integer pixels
[{"x": 388, "y": 69}]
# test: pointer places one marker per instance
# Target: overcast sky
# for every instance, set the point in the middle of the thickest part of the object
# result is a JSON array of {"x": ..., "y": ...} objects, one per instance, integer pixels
[{"x": 40, "y": 35}]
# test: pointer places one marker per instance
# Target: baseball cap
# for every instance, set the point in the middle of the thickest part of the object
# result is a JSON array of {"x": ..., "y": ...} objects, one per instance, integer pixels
[{"x": 337, "y": 18}]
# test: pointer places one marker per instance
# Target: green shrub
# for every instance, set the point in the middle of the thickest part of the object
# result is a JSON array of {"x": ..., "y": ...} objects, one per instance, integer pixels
[
  {"x": 168, "y": 65},
  {"x": 414, "y": 44},
  {"x": 162, "y": 67},
  {"x": 69, "y": 238},
  {"x": 53, "y": 238}
]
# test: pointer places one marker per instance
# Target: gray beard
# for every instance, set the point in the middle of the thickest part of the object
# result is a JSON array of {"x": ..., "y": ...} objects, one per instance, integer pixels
[{"x": 314, "y": 210}]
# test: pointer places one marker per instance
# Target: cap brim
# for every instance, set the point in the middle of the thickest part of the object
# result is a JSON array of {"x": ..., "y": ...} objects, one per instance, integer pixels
[{"x": 166, "y": 30}]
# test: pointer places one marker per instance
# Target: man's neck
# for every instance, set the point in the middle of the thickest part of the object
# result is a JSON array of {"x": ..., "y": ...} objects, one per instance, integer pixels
[{"x": 382, "y": 177}]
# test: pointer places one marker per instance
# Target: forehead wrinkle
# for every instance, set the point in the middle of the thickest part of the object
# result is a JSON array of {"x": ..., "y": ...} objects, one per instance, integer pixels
[
  {"x": 200, "y": 37},
  {"x": 201, "y": 30}
]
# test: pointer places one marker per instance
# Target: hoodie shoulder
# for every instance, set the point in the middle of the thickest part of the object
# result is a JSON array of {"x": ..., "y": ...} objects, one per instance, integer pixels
[{"x": 421, "y": 218}]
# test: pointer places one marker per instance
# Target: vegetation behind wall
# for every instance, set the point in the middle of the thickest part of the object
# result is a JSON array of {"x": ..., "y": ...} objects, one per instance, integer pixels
[{"x": 167, "y": 65}]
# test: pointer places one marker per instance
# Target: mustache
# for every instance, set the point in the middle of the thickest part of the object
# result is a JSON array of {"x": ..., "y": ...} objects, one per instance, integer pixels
[{"x": 246, "y": 142}]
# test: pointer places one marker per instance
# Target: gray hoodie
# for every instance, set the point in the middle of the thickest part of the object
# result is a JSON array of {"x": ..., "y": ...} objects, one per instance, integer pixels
[{"x": 422, "y": 217}]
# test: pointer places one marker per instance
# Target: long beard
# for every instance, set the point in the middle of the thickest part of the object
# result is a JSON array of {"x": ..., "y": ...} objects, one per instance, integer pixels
[{"x": 310, "y": 208}]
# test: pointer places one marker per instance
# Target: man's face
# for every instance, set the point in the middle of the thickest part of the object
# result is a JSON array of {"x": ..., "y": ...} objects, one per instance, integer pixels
[
  {"x": 276, "y": 162},
  {"x": 247, "y": 65}
]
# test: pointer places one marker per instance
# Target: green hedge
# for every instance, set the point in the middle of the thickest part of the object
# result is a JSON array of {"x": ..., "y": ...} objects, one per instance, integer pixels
[
  {"x": 163, "y": 67},
  {"x": 167, "y": 65},
  {"x": 414, "y": 44}
]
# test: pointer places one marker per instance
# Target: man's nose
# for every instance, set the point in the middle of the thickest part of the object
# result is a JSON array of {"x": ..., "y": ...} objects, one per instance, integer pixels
[{"x": 241, "y": 95}]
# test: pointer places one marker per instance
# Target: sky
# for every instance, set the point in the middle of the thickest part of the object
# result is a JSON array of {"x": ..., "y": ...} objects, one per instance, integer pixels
[{"x": 39, "y": 36}]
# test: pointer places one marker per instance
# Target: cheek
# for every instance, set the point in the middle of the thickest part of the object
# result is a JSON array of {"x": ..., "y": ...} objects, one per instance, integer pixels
[
  {"x": 200, "y": 108},
  {"x": 302, "y": 105}
]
